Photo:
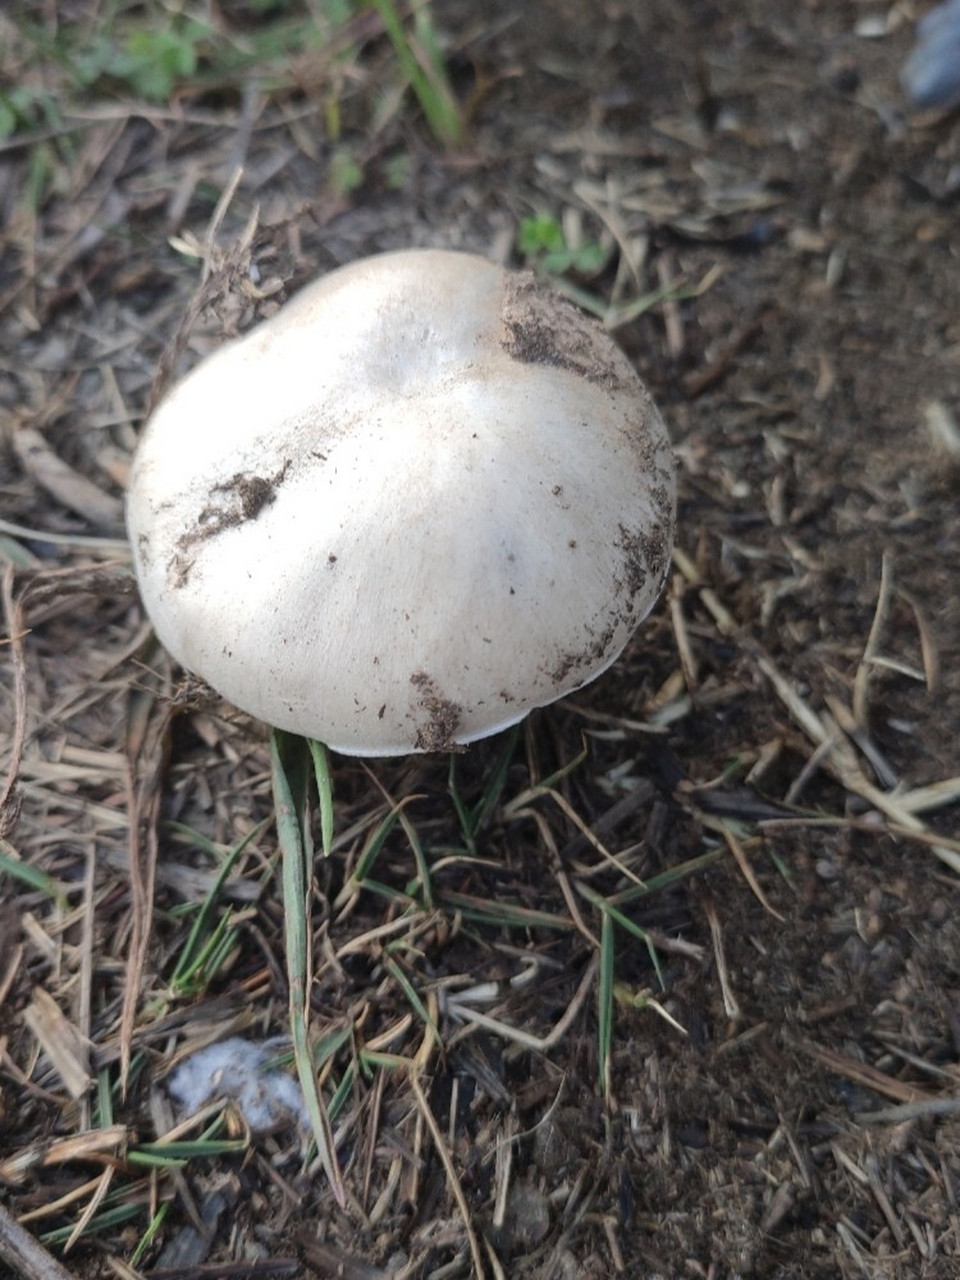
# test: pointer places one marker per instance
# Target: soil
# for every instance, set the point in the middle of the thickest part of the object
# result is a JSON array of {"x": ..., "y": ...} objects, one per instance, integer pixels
[{"x": 753, "y": 813}]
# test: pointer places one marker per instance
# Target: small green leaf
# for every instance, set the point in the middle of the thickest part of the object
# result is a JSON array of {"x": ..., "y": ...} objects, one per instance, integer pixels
[
  {"x": 541, "y": 233},
  {"x": 346, "y": 175}
]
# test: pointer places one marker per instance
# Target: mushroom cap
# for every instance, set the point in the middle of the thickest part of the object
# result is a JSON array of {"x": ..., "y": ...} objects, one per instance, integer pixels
[{"x": 425, "y": 497}]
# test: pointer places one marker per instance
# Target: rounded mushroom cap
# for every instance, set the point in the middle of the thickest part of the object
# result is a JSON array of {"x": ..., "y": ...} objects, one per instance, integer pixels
[{"x": 424, "y": 498}]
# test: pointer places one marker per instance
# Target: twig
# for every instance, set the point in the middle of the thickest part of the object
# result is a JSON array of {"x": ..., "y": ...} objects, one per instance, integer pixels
[
  {"x": 70, "y": 489},
  {"x": 861, "y": 683},
  {"x": 688, "y": 663},
  {"x": 842, "y": 763},
  {"x": 928, "y": 644},
  {"x": 641, "y": 793},
  {"x": 8, "y": 791},
  {"x": 216, "y": 222},
  {"x": 517, "y": 809},
  {"x": 695, "y": 384},
  {"x": 911, "y": 1111},
  {"x": 863, "y": 1073},
  {"x": 29, "y": 1260},
  {"x": 450, "y": 1171},
  {"x": 730, "y": 1003},
  {"x": 743, "y": 862},
  {"x": 70, "y": 541},
  {"x": 146, "y": 754},
  {"x": 539, "y": 1044}
]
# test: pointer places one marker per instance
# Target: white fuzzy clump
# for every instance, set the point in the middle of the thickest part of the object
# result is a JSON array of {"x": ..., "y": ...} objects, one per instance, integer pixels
[{"x": 238, "y": 1069}]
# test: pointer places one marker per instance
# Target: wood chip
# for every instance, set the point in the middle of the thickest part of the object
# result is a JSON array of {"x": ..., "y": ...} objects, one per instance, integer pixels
[
  {"x": 68, "y": 1051},
  {"x": 63, "y": 483}
]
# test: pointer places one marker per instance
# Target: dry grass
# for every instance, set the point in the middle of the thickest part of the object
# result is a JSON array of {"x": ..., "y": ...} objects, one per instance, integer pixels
[{"x": 665, "y": 982}]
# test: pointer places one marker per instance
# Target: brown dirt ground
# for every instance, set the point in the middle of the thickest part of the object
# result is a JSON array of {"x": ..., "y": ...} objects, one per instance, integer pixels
[{"x": 804, "y": 1121}]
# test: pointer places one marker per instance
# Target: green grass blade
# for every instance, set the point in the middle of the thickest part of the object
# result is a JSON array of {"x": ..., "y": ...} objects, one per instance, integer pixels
[
  {"x": 105, "y": 1221},
  {"x": 495, "y": 783},
  {"x": 506, "y": 914},
  {"x": 158, "y": 1154},
  {"x": 148, "y": 1237},
  {"x": 605, "y": 905},
  {"x": 197, "y": 944},
  {"x": 404, "y": 898},
  {"x": 372, "y": 1058},
  {"x": 426, "y": 76},
  {"x": 326, "y": 1046},
  {"x": 324, "y": 776},
  {"x": 605, "y": 1003},
  {"x": 342, "y": 1091},
  {"x": 196, "y": 838},
  {"x": 544, "y": 786},
  {"x": 473, "y": 821},
  {"x": 413, "y": 997},
  {"x": 666, "y": 879},
  {"x": 368, "y": 857},
  {"x": 11, "y": 865},
  {"x": 460, "y": 809},
  {"x": 196, "y": 970},
  {"x": 420, "y": 858},
  {"x": 103, "y": 1110},
  {"x": 297, "y": 946}
]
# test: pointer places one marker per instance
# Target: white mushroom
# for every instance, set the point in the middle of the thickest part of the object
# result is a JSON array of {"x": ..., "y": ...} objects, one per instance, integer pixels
[{"x": 425, "y": 497}]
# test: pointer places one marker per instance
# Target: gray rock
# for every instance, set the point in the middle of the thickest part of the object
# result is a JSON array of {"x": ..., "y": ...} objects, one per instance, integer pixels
[{"x": 931, "y": 74}]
